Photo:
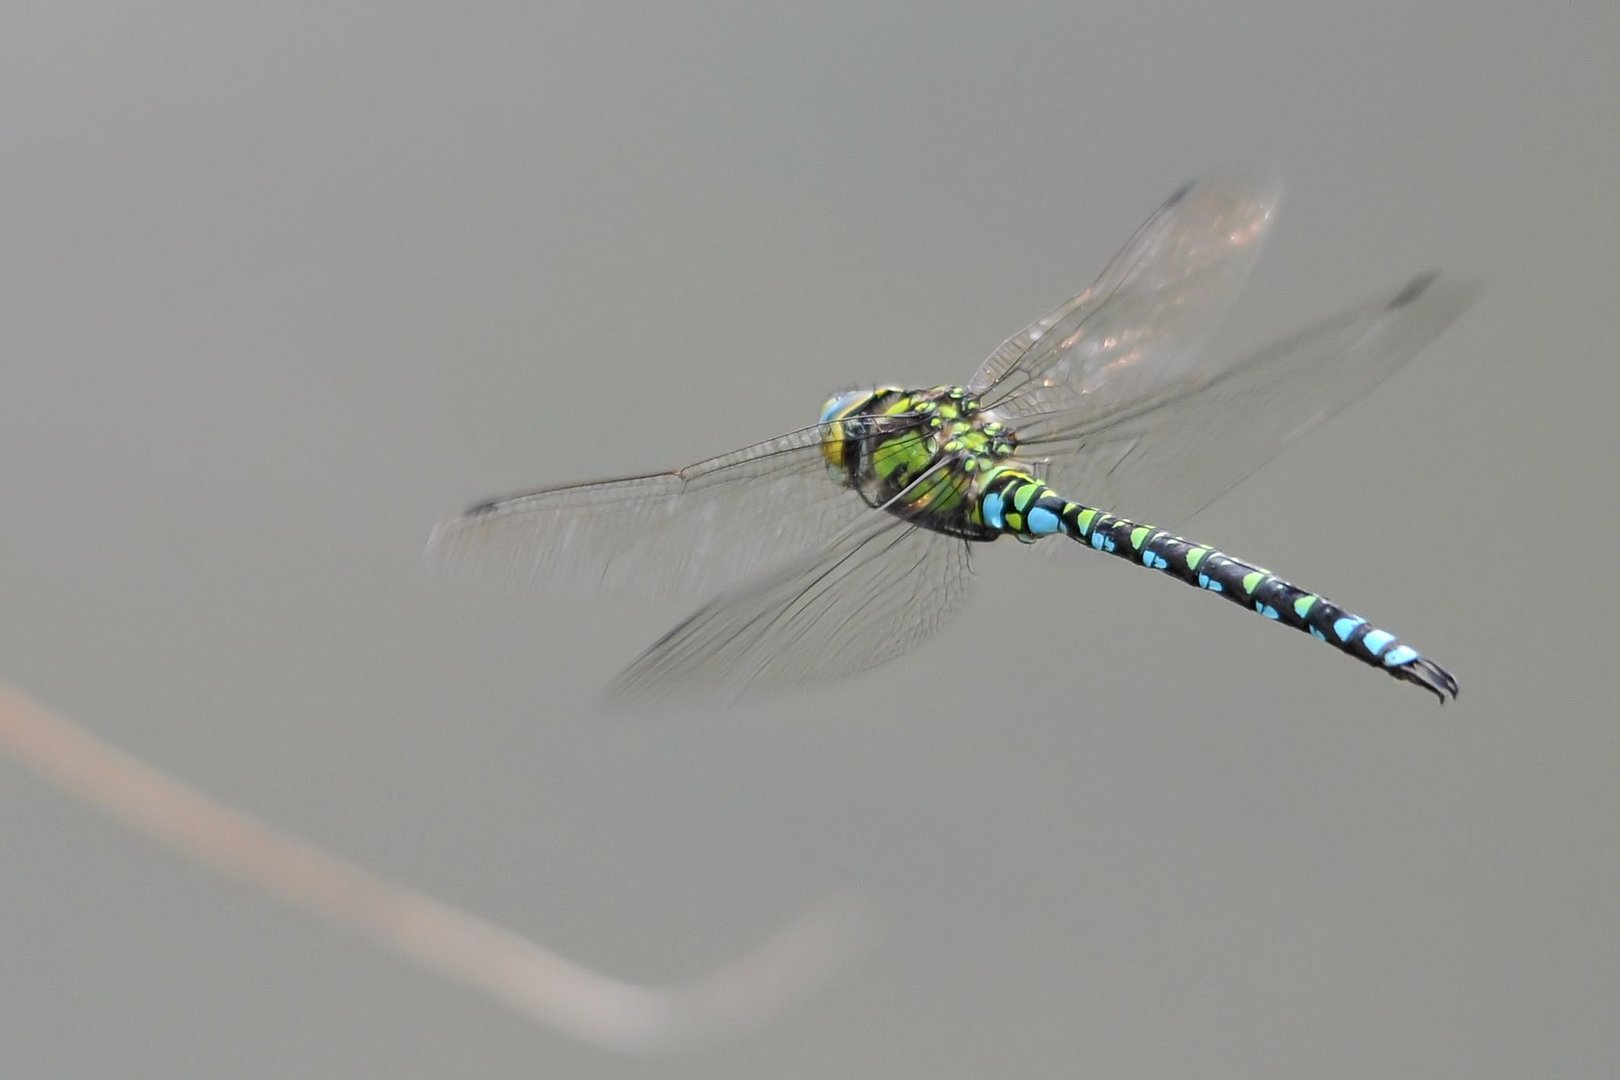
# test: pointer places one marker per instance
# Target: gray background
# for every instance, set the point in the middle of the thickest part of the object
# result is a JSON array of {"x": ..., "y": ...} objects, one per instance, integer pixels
[{"x": 277, "y": 290}]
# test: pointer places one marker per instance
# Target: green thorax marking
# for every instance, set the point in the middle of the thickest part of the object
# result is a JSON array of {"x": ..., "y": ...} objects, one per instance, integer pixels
[
  {"x": 947, "y": 451},
  {"x": 953, "y": 432}
]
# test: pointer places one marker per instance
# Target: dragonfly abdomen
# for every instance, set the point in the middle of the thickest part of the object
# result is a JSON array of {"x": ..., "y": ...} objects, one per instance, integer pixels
[{"x": 1025, "y": 507}]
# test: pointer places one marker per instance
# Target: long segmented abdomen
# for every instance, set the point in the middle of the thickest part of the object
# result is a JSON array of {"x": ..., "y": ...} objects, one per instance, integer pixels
[{"x": 1027, "y": 508}]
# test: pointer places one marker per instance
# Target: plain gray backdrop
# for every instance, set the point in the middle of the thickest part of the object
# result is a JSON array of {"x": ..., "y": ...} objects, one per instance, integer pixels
[{"x": 279, "y": 288}]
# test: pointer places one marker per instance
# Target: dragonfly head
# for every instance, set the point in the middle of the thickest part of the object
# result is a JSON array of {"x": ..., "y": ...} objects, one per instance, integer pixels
[{"x": 834, "y": 440}]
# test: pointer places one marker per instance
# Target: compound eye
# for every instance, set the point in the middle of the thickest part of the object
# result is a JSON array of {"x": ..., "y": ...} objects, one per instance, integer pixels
[{"x": 842, "y": 405}]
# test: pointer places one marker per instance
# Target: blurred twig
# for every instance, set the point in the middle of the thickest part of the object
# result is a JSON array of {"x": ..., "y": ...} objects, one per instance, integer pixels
[{"x": 513, "y": 970}]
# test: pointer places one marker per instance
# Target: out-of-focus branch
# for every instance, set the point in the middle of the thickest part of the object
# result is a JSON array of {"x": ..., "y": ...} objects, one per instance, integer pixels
[{"x": 513, "y": 970}]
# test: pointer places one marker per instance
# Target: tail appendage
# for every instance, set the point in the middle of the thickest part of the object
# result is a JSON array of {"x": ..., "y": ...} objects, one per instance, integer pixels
[{"x": 1025, "y": 507}]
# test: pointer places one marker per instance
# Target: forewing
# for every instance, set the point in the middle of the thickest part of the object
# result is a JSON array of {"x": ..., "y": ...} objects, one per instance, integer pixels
[
  {"x": 1146, "y": 322},
  {"x": 1167, "y": 458},
  {"x": 875, "y": 593},
  {"x": 686, "y": 533}
]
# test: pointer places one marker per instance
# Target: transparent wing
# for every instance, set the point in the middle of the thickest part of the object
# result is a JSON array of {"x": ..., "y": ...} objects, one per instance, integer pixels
[
  {"x": 882, "y": 587},
  {"x": 1167, "y": 458},
  {"x": 1146, "y": 322},
  {"x": 686, "y": 533}
]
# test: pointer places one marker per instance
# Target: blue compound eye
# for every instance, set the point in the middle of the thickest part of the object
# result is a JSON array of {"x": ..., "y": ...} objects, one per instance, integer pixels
[{"x": 842, "y": 405}]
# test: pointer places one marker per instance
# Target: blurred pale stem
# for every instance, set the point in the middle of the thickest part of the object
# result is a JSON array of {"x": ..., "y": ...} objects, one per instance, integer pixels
[{"x": 513, "y": 970}]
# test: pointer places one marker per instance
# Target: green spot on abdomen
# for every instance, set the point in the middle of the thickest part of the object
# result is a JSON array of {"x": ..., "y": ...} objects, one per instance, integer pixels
[
  {"x": 1085, "y": 520},
  {"x": 1196, "y": 556},
  {"x": 1302, "y": 606},
  {"x": 1252, "y": 580}
]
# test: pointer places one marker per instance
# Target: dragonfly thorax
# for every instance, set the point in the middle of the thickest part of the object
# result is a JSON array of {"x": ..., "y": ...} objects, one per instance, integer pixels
[{"x": 921, "y": 454}]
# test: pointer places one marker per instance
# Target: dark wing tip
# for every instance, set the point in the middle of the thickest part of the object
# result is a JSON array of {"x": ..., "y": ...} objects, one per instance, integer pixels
[
  {"x": 1447, "y": 294},
  {"x": 1181, "y": 192},
  {"x": 1415, "y": 288},
  {"x": 1256, "y": 186},
  {"x": 442, "y": 543}
]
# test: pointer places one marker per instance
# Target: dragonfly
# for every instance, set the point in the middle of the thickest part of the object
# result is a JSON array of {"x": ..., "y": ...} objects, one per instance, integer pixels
[{"x": 831, "y": 549}]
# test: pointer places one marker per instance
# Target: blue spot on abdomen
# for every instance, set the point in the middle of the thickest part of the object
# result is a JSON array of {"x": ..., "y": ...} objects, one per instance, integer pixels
[
  {"x": 1400, "y": 654},
  {"x": 992, "y": 511},
  {"x": 1377, "y": 641},
  {"x": 1042, "y": 522}
]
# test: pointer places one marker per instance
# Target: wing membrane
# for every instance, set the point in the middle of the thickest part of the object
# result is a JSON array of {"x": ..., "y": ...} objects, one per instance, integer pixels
[
  {"x": 883, "y": 586},
  {"x": 1147, "y": 320},
  {"x": 685, "y": 533},
  {"x": 1167, "y": 458}
]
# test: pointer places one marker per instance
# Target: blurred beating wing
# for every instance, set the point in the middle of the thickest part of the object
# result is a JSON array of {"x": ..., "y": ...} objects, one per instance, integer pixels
[
  {"x": 878, "y": 590},
  {"x": 686, "y": 533},
  {"x": 1165, "y": 458},
  {"x": 1147, "y": 321}
]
